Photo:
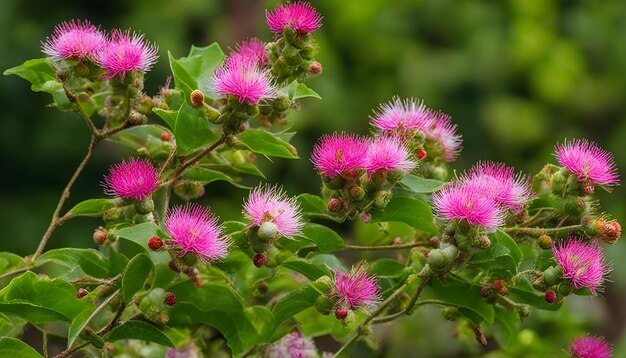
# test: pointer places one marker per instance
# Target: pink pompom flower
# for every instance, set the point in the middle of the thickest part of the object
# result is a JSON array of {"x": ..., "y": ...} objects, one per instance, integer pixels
[
  {"x": 440, "y": 130},
  {"x": 253, "y": 50},
  {"x": 244, "y": 78},
  {"x": 590, "y": 163},
  {"x": 270, "y": 204},
  {"x": 195, "y": 229},
  {"x": 582, "y": 262},
  {"x": 126, "y": 52},
  {"x": 340, "y": 154},
  {"x": 388, "y": 153},
  {"x": 356, "y": 288},
  {"x": 293, "y": 345},
  {"x": 74, "y": 40},
  {"x": 398, "y": 115},
  {"x": 508, "y": 189},
  {"x": 588, "y": 346},
  {"x": 456, "y": 201},
  {"x": 299, "y": 16},
  {"x": 133, "y": 178}
]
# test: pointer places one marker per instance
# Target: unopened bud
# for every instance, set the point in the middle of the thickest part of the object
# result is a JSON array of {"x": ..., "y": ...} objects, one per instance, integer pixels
[
  {"x": 144, "y": 207},
  {"x": 188, "y": 189},
  {"x": 100, "y": 236},
  {"x": 479, "y": 335},
  {"x": 135, "y": 118},
  {"x": 523, "y": 310},
  {"x": 379, "y": 178},
  {"x": 315, "y": 68},
  {"x": 483, "y": 241},
  {"x": 382, "y": 198},
  {"x": 323, "y": 305},
  {"x": 565, "y": 288},
  {"x": 324, "y": 284},
  {"x": 611, "y": 231},
  {"x": 552, "y": 275},
  {"x": 173, "y": 266},
  {"x": 550, "y": 296},
  {"x": 421, "y": 154},
  {"x": 451, "y": 313},
  {"x": 341, "y": 313},
  {"x": 268, "y": 232},
  {"x": 281, "y": 104},
  {"x": 81, "y": 293},
  {"x": 587, "y": 189},
  {"x": 259, "y": 260},
  {"x": 500, "y": 287},
  {"x": 440, "y": 259},
  {"x": 190, "y": 259},
  {"x": 155, "y": 243},
  {"x": 334, "y": 205},
  {"x": 356, "y": 192},
  {"x": 545, "y": 242},
  {"x": 170, "y": 299},
  {"x": 197, "y": 98}
]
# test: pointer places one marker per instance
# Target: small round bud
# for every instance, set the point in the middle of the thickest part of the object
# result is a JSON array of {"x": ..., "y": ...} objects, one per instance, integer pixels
[
  {"x": 315, "y": 68},
  {"x": 451, "y": 313},
  {"x": 341, "y": 313},
  {"x": 382, "y": 198},
  {"x": 262, "y": 286},
  {"x": 500, "y": 287},
  {"x": 100, "y": 236},
  {"x": 379, "y": 178},
  {"x": 242, "y": 127},
  {"x": 191, "y": 271},
  {"x": 144, "y": 207},
  {"x": 188, "y": 189},
  {"x": 81, "y": 293},
  {"x": 170, "y": 299},
  {"x": 259, "y": 260},
  {"x": 550, "y": 296},
  {"x": 483, "y": 241},
  {"x": 558, "y": 183},
  {"x": 545, "y": 242},
  {"x": 486, "y": 292},
  {"x": 173, "y": 266},
  {"x": 197, "y": 98},
  {"x": 588, "y": 189},
  {"x": 611, "y": 231},
  {"x": 165, "y": 136},
  {"x": 135, "y": 118},
  {"x": 324, "y": 284},
  {"x": 281, "y": 104},
  {"x": 255, "y": 243},
  {"x": 155, "y": 243},
  {"x": 268, "y": 232},
  {"x": 323, "y": 305},
  {"x": 440, "y": 259},
  {"x": 523, "y": 310},
  {"x": 421, "y": 154},
  {"x": 335, "y": 183},
  {"x": 356, "y": 192},
  {"x": 334, "y": 205},
  {"x": 552, "y": 275},
  {"x": 565, "y": 288}
]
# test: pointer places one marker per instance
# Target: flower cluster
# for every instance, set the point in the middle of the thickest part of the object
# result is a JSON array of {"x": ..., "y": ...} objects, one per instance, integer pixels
[{"x": 582, "y": 263}]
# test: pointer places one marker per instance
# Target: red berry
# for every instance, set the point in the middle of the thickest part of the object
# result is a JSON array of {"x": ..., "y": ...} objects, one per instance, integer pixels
[
  {"x": 421, "y": 153},
  {"x": 260, "y": 260},
  {"x": 170, "y": 299},
  {"x": 550, "y": 296},
  {"x": 155, "y": 243},
  {"x": 341, "y": 313},
  {"x": 165, "y": 136},
  {"x": 81, "y": 293},
  {"x": 499, "y": 287}
]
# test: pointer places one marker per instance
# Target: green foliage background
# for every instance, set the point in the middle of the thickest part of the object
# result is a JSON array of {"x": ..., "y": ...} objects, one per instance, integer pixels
[{"x": 516, "y": 76}]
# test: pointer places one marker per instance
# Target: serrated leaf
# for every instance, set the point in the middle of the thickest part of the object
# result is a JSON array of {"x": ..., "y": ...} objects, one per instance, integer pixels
[
  {"x": 266, "y": 143},
  {"x": 135, "y": 276},
  {"x": 412, "y": 211},
  {"x": 89, "y": 260},
  {"x": 11, "y": 347},
  {"x": 326, "y": 239},
  {"x": 92, "y": 207},
  {"x": 191, "y": 129},
  {"x": 421, "y": 185},
  {"x": 294, "y": 302},
  {"x": 296, "y": 90},
  {"x": 138, "y": 330},
  {"x": 206, "y": 176}
]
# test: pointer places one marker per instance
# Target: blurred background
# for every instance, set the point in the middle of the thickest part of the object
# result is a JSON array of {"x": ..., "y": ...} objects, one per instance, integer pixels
[{"x": 517, "y": 76}]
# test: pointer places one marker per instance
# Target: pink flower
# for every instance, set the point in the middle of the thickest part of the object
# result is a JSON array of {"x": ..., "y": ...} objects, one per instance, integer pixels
[
  {"x": 299, "y": 16},
  {"x": 134, "y": 178},
  {"x": 293, "y": 345},
  {"x": 398, "y": 115},
  {"x": 388, "y": 153},
  {"x": 456, "y": 201},
  {"x": 588, "y": 162},
  {"x": 508, "y": 189},
  {"x": 339, "y": 154},
  {"x": 269, "y": 204},
  {"x": 126, "y": 52},
  {"x": 189, "y": 352},
  {"x": 356, "y": 288},
  {"x": 582, "y": 262},
  {"x": 195, "y": 229},
  {"x": 252, "y": 49},
  {"x": 243, "y": 78},
  {"x": 441, "y": 131},
  {"x": 74, "y": 40},
  {"x": 588, "y": 346}
]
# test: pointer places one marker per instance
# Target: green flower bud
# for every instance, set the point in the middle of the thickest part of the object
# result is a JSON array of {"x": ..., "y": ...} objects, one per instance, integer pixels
[
  {"x": 307, "y": 52},
  {"x": 281, "y": 104},
  {"x": 395, "y": 175},
  {"x": 335, "y": 183},
  {"x": 545, "y": 242},
  {"x": 188, "y": 189},
  {"x": 552, "y": 275},
  {"x": 190, "y": 259},
  {"x": 144, "y": 207},
  {"x": 379, "y": 178},
  {"x": 356, "y": 193},
  {"x": 324, "y": 284},
  {"x": 451, "y": 313},
  {"x": 256, "y": 244},
  {"x": 523, "y": 310},
  {"x": 291, "y": 55},
  {"x": 382, "y": 198},
  {"x": 268, "y": 232},
  {"x": 252, "y": 111},
  {"x": 565, "y": 288},
  {"x": 323, "y": 305},
  {"x": 440, "y": 259},
  {"x": 558, "y": 183},
  {"x": 153, "y": 306}
]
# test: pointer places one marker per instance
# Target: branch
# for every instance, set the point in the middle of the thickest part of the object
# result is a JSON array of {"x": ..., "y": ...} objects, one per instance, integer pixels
[
  {"x": 388, "y": 247},
  {"x": 538, "y": 231},
  {"x": 72, "y": 98},
  {"x": 179, "y": 171},
  {"x": 411, "y": 306}
]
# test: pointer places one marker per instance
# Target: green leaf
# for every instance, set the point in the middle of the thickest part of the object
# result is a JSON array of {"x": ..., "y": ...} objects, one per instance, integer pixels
[
  {"x": 206, "y": 176},
  {"x": 263, "y": 142},
  {"x": 412, "y": 211},
  {"x": 421, "y": 185},
  {"x": 296, "y": 90},
  {"x": 506, "y": 326},
  {"x": 503, "y": 252},
  {"x": 11, "y": 347},
  {"x": 41, "y": 74},
  {"x": 191, "y": 129},
  {"x": 138, "y": 136},
  {"x": 135, "y": 276},
  {"x": 313, "y": 206},
  {"x": 140, "y": 234},
  {"x": 461, "y": 294},
  {"x": 92, "y": 207},
  {"x": 294, "y": 302},
  {"x": 326, "y": 239},
  {"x": 138, "y": 330},
  {"x": 196, "y": 70},
  {"x": 10, "y": 261},
  {"x": 386, "y": 268},
  {"x": 89, "y": 260},
  {"x": 307, "y": 268},
  {"x": 263, "y": 321}
]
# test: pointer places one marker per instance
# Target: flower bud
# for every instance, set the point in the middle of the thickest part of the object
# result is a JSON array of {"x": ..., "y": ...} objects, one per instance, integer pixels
[
  {"x": 197, "y": 98},
  {"x": 421, "y": 154},
  {"x": 565, "y": 288},
  {"x": 382, "y": 198},
  {"x": 268, "y": 232},
  {"x": 165, "y": 136},
  {"x": 190, "y": 259},
  {"x": 256, "y": 244},
  {"x": 155, "y": 243},
  {"x": 334, "y": 205},
  {"x": 500, "y": 287},
  {"x": 81, "y": 293},
  {"x": 558, "y": 183},
  {"x": 324, "y": 284},
  {"x": 323, "y": 305},
  {"x": 552, "y": 275},
  {"x": 144, "y": 207},
  {"x": 440, "y": 259},
  {"x": 188, "y": 189},
  {"x": 483, "y": 241},
  {"x": 173, "y": 266},
  {"x": 291, "y": 55},
  {"x": 611, "y": 232},
  {"x": 281, "y": 104},
  {"x": 451, "y": 313},
  {"x": 153, "y": 306},
  {"x": 379, "y": 178},
  {"x": 550, "y": 296},
  {"x": 170, "y": 299},
  {"x": 315, "y": 68},
  {"x": 341, "y": 313},
  {"x": 259, "y": 260},
  {"x": 100, "y": 236},
  {"x": 523, "y": 310},
  {"x": 545, "y": 242},
  {"x": 356, "y": 193},
  {"x": 587, "y": 189},
  {"x": 574, "y": 206},
  {"x": 135, "y": 118},
  {"x": 262, "y": 286}
]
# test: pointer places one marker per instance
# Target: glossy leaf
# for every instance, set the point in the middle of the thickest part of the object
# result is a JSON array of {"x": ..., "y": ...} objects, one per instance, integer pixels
[
  {"x": 140, "y": 234},
  {"x": 264, "y": 142},
  {"x": 138, "y": 330},
  {"x": 310, "y": 270},
  {"x": 294, "y": 302},
  {"x": 296, "y": 90},
  {"x": 10, "y": 261},
  {"x": 11, "y": 347},
  {"x": 326, "y": 239},
  {"x": 92, "y": 207},
  {"x": 135, "y": 276},
  {"x": 412, "y": 211},
  {"x": 137, "y": 136},
  {"x": 191, "y": 129},
  {"x": 386, "y": 268},
  {"x": 461, "y": 294},
  {"x": 206, "y": 176},
  {"x": 41, "y": 74},
  {"x": 313, "y": 206},
  {"x": 196, "y": 70},
  {"x": 421, "y": 185},
  {"x": 89, "y": 260}
]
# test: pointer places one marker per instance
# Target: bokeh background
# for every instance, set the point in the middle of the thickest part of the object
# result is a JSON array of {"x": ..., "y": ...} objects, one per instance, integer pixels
[{"x": 516, "y": 76}]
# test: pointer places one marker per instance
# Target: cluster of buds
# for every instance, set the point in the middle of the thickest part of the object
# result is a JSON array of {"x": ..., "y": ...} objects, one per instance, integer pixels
[
  {"x": 358, "y": 172},
  {"x": 155, "y": 305}
]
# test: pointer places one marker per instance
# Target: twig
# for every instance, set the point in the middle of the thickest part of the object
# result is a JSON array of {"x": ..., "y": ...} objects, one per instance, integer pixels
[
  {"x": 411, "y": 306},
  {"x": 196, "y": 158},
  {"x": 538, "y": 231},
  {"x": 70, "y": 351},
  {"x": 387, "y": 247},
  {"x": 73, "y": 99},
  {"x": 167, "y": 162}
]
